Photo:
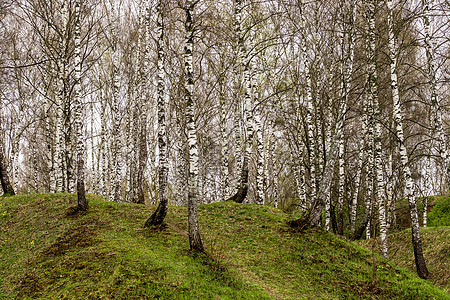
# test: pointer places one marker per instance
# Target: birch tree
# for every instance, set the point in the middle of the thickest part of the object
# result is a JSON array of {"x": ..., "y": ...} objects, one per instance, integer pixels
[
  {"x": 422, "y": 270},
  {"x": 116, "y": 114},
  {"x": 244, "y": 59},
  {"x": 373, "y": 98},
  {"x": 161, "y": 211},
  {"x": 195, "y": 240},
  {"x": 436, "y": 109},
  {"x": 82, "y": 203},
  {"x": 61, "y": 66},
  {"x": 4, "y": 176}
]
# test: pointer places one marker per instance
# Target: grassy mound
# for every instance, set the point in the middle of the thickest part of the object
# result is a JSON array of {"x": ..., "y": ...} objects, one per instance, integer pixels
[
  {"x": 48, "y": 252},
  {"x": 436, "y": 251}
]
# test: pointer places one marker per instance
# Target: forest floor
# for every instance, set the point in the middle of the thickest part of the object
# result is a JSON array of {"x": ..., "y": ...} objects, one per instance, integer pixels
[
  {"x": 48, "y": 252},
  {"x": 436, "y": 251}
]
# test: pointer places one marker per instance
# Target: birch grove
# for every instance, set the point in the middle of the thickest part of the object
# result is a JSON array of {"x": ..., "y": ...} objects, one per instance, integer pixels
[{"x": 333, "y": 110}]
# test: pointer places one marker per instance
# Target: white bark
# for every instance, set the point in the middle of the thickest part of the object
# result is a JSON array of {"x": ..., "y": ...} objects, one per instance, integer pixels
[
  {"x": 224, "y": 184},
  {"x": 162, "y": 135},
  {"x": 194, "y": 234},
  {"x": 310, "y": 104},
  {"x": 397, "y": 114},
  {"x": 437, "y": 111},
  {"x": 116, "y": 159},
  {"x": 82, "y": 203},
  {"x": 373, "y": 92},
  {"x": 260, "y": 199},
  {"x": 59, "y": 99}
]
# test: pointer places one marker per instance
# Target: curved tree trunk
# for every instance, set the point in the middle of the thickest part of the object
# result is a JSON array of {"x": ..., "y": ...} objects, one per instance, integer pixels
[
  {"x": 161, "y": 211},
  {"x": 240, "y": 195}
]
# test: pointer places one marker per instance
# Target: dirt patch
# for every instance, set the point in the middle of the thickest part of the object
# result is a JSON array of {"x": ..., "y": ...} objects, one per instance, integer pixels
[
  {"x": 76, "y": 237},
  {"x": 81, "y": 235},
  {"x": 29, "y": 285},
  {"x": 177, "y": 229},
  {"x": 74, "y": 212}
]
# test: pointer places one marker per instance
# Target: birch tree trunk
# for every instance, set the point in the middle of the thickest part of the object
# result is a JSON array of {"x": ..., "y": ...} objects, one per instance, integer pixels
[
  {"x": 49, "y": 142},
  {"x": 347, "y": 70},
  {"x": 15, "y": 150},
  {"x": 116, "y": 160},
  {"x": 104, "y": 150},
  {"x": 195, "y": 240},
  {"x": 248, "y": 113},
  {"x": 95, "y": 177},
  {"x": 373, "y": 94},
  {"x": 161, "y": 211},
  {"x": 225, "y": 182},
  {"x": 327, "y": 147},
  {"x": 427, "y": 185},
  {"x": 309, "y": 103},
  {"x": 142, "y": 134},
  {"x": 260, "y": 161},
  {"x": 59, "y": 99},
  {"x": 437, "y": 112},
  {"x": 4, "y": 176},
  {"x": 81, "y": 193},
  {"x": 390, "y": 203},
  {"x": 181, "y": 178},
  {"x": 422, "y": 270}
]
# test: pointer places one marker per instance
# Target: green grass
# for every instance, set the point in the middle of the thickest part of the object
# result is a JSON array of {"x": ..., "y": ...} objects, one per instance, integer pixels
[
  {"x": 435, "y": 247},
  {"x": 440, "y": 213},
  {"x": 47, "y": 253}
]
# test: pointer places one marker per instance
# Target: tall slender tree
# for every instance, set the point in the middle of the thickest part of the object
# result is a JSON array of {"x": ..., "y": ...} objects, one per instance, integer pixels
[
  {"x": 161, "y": 211},
  {"x": 245, "y": 60},
  {"x": 439, "y": 132},
  {"x": 81, "y": 193},
  {"x": 117, "y": 144},
  {"x": 373, "y": 98},
  {"x": 422, "y": 270},
  {"x": 195, "y": 240}
]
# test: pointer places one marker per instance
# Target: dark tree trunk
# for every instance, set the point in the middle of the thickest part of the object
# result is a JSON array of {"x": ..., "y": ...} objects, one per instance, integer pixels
[
  {"x": 243, "y": 186},
  {"x": 158, "y": 216},
  {"x": 81, "y": 193},
  {"x": 362, "y": 226},
  {"x": 340, "y": 223},
  {"x": 334, "y": 223},
  {"x": 4, "y": 178}
]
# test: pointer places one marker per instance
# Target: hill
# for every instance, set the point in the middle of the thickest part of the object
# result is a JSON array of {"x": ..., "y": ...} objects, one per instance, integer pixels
[
  {"x": 436, "y": 250},
  {"x": 49, "y": 252}
]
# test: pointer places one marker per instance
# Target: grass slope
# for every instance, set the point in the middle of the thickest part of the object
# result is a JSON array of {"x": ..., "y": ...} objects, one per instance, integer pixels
[
  {"x": 46, "y": 253},
  {"x": 436, "y": 250}
]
